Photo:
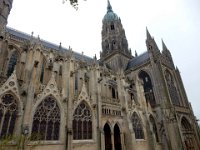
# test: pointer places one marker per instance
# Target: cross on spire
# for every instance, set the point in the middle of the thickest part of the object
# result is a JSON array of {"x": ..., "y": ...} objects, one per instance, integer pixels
[{"x": 109, "y": 7}]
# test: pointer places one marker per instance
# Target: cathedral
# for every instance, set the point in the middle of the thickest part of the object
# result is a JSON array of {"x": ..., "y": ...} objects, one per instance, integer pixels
[{"x": 54, "y": 98}]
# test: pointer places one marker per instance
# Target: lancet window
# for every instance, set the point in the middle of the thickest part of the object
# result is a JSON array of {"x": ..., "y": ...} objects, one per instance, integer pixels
[
  {"x": 8, "y": 114},
  {"x": 12, "y": 63},
  {"x": 148, "y": 88},
  {"x": 172, "y": 89},
  {"x": 82, "y": 122},
  {"x": 46, "y": 120},
  {"x": 137, "y": 126}
]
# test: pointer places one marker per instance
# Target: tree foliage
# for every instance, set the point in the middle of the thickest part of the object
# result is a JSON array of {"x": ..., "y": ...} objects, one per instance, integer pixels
[
  {"x": 19, "y": 142},
  {"x": 74, "y": 3}
]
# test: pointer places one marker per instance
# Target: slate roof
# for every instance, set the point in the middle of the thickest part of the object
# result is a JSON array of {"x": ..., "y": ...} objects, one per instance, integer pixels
[
  {"x": 27, "y": 37},
  {"x": 134, "y": 62},
  {"x": 137, "y": 61}
]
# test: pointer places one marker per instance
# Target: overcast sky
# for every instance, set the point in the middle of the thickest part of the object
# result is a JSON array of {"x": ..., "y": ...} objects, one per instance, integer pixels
[{"x": 177, "y": 22}]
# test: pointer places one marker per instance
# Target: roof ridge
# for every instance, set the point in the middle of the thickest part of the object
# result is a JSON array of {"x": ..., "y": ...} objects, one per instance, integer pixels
[{"x": 45, "y": 42}]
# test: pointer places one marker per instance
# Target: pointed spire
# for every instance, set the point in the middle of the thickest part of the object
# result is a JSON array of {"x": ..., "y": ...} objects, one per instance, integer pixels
[
  {"x": 164, "y": 47},
  {"x": 109, "y": 7},
  {"x": 148, "y": 34},
  {"x": 136, "y": 53},
  {"x": 177, "y": 69},
  {"x": 95, "y": 57},
  {"x": 60, "y": 46},
  {"x": 165, "y": 51}
]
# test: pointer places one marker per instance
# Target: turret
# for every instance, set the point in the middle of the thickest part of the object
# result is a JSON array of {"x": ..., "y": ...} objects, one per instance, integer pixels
[
  {"x": 151, "y": 45},
  {"x": 165, "y": 51}
]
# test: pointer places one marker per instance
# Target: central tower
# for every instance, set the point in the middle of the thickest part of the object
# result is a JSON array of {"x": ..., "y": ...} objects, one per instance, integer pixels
[{"x": 115, "y": 53}]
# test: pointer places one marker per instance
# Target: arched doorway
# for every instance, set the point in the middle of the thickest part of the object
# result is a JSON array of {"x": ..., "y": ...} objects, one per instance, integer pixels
[
  {"x": 107, "y": 136},
  {"x": 117, "y": 138}
]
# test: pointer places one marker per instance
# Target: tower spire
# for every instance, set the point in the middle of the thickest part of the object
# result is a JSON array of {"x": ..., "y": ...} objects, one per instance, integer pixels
[
  {"x": 109, "y": 7},
  {"x": 164, "y": 47},
  {"x": 148, "y": 34}
]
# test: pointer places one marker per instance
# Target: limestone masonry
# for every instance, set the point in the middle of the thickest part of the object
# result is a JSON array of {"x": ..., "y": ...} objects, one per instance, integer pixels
[{"x": 52, "y": 98}]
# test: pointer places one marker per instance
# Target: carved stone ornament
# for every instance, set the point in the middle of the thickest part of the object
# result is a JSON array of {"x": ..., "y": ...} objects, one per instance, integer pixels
[{"x": 50, "y": 89}]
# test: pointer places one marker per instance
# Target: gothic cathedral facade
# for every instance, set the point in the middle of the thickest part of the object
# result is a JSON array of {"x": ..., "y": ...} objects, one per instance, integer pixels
[{"x": 57, "y": 99}]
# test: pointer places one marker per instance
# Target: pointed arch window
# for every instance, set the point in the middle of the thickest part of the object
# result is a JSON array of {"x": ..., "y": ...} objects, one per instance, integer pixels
[
  {"x": 187, "y": 134},
  {"x": 148, "y": 88},
  {"x": 172, "y": 89},
  {"x": 12, "y": 63},
  {"x": 8, "y": 114},
  {"x": 82, "y": 122},
  {"x": 46, "y": 120},
  {"x": 137, "y": 126}
]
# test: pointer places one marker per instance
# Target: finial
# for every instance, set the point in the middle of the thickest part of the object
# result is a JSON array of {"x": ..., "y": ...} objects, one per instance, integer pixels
[
  {"x": 32, "y": 34},
  {"x": 60, "y": 46},
  {"x": 82, "y": 54},
  {"x": 177, "y": 69},
  {"x": 95, "y": 57},
  {"x": 148, "y": 34},
  {"x": 70, "y": 51},
  {"x": 38, "y": 41},
  {"x": 136, "y": 53},
  {"x": 164, "y": 47},
  {"x": 109, "y": 7}
]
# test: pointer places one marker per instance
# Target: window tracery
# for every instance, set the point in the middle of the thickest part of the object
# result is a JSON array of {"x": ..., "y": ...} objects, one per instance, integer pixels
[
  {"x": 8, "y": 115},
  {"x": 172, "y": 89},
  {"x": 82, "y": 122},
  {"x": 148, "y": 88},
  {"x": 12, "y": 63},
  {"x": 137, "y": 126},
  {"x": 187, "y": 134},
  {"x": 46, "y": 120}
]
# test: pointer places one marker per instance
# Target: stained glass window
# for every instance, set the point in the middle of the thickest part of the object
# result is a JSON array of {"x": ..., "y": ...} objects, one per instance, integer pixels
[
  {"x": 8, "y": 114},
  {"x": 46, "y": 120},
  {"x": 137, "y": 126},
  {"x": 82, "y": 122},
  {"x": 148, "y": 88},
  {"x": 12, "y": 63},
  {"x": 172, "y": 89}
]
